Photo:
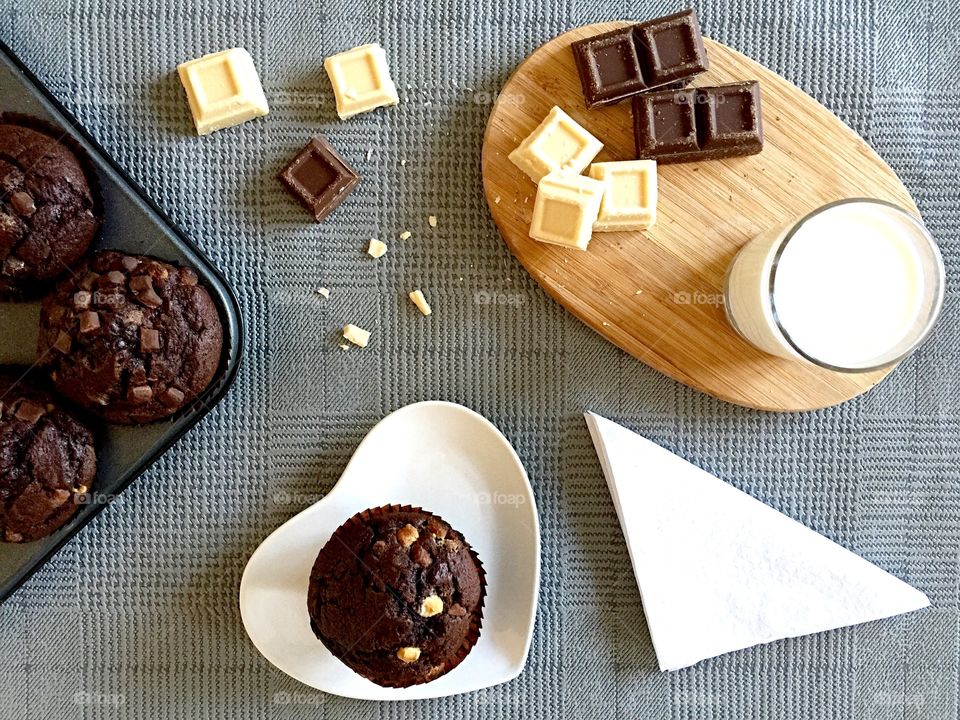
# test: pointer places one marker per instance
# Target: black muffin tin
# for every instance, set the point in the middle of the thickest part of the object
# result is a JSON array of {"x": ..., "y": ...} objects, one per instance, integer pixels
[{"x": 132, "y": 223}]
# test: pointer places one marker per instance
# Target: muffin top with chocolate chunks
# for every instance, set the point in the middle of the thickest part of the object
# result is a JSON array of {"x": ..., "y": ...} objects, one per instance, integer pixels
[
  {"x": 47, "y": 461},
  {"x": 397, "y": 595},
  {"x": 48, "y": 215},
  {"x": 133, "y": 339}
]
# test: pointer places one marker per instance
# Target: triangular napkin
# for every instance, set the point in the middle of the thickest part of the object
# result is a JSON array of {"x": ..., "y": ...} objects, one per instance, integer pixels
[{"x": 721, "y": 571}]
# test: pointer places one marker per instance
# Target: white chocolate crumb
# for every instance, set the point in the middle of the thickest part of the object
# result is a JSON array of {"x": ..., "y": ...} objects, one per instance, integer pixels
[
  {"x": 417, "y": 298},
  {"x": 431, "y": 605},
  {"x": 343, "y": 346},
  {"x": 323, "y": 292},
  {"x": 497, "y": 200},
  {"x": 432, "y": 220},
  {"x": 408, "y": 654},
  {"x": 369, "y": 153},
  {"x": 377, "y": 248},
  {"x": 406, "y": 235},
  {"x": 357, "y": 335},
  {"x": 403, "y": 162}
]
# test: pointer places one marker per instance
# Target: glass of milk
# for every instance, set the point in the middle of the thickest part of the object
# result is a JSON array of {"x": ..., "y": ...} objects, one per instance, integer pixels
[{"x": 854, "y": 286}]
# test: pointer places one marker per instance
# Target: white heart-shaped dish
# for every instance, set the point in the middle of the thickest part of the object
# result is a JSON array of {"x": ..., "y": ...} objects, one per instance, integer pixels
[{"x": 450, "y": 461}]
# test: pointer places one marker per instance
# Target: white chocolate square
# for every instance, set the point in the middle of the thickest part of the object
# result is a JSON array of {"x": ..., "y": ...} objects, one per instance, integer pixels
[
  {"x": 558, "y": 144},
  {"x": 361, "y": 80},
  {"x": 223, "y": 90},
  {"x": 565, "y": 209},
  {"x": 629, "y": 195}
]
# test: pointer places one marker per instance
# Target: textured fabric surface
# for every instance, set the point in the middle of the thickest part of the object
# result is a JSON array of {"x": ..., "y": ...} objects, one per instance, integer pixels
[{"x": 137, "y": 616}]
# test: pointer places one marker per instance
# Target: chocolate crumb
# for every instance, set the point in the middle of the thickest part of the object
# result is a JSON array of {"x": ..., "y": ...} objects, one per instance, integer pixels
[
  {"x": 89, "y": 321},
  {"x": 141, "y": 393},
  {"x": 63, "y": 343},
  {"x": 172, "y": 397},
  {"x": 30, "y": 412},
  {"x": 149, "y": 340},
  {"x": 23, "y": 204}
]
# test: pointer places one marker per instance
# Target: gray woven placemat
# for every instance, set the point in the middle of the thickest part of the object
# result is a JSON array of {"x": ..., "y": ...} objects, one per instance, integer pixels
[{"x": 137, "y": 617}]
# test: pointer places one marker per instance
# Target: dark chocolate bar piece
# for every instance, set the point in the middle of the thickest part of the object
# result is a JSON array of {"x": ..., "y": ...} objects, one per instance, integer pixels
[
  {"x": 319, "y": 178},
  {"x": 621, "y": 63},
  {"x": 609, "y": 67},
  {"x": 705, "y": 123},
  {"x": 671, "y": 48}
]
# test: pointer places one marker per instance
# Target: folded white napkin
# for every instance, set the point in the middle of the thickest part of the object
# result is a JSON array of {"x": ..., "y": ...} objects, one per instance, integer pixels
[{"x": 721, "y": 571}]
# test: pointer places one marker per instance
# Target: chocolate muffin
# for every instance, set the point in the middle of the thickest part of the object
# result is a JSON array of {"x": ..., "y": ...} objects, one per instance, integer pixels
[
  {"x": 397, "y": 595},
  {"x": 47, "y": 462},
  {"x": 132, "y": 339},
  {"x": 48, "y": 212}
]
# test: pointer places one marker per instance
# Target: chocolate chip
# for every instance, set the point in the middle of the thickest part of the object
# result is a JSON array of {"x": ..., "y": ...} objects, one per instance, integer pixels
[
  {"x": 81, "y": 299},
  {"x": 436, "y": 528},
  {"x": 420, "y": 556},
  {"x": 172, "y": 397},
  {"x": 149, "y": 340},
  {"x": 130, "y": 263},
  {"x": 142, "y": 287},
  {"x": 89, "y": 321},
  {"x": 87, "y": 281},
  {"x": 141, "y": 393},
  {"x": 23, "y": 204},
  {"x": 63, "y": 343},
  {"x": 116, "y": 277},
  {"x": 30, "y": 412}
]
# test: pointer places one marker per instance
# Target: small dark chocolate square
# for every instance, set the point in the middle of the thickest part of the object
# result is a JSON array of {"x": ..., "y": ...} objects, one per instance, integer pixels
[
  {"x": 319, "y": 178},
  {"x": 671, "y": 48},
  {"x": 665, "y": 123},
  {"x": 608, "y": 66},
  {"x": 728, "y": 117}
]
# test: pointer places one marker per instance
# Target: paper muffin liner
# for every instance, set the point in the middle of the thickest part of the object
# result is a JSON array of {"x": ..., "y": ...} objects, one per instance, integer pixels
[{"x": 476, "y": 618}]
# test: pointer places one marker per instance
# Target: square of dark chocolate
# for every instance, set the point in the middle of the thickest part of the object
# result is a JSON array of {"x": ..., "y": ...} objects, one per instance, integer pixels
[
  {"x": 608, "y": 66},
  {"x": 319, "y": 178},
  {"x": 665, "y": 123},
  {"x": 671, "y": 48},
  {"x": 729, "y": 118}
]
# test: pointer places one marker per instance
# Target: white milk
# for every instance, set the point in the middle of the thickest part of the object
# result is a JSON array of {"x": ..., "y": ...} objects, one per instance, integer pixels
[{"x": 856, "y": 286}]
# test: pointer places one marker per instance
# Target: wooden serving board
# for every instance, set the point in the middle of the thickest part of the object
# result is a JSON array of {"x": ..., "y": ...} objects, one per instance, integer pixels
[{"x": 658, "y": 294}]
